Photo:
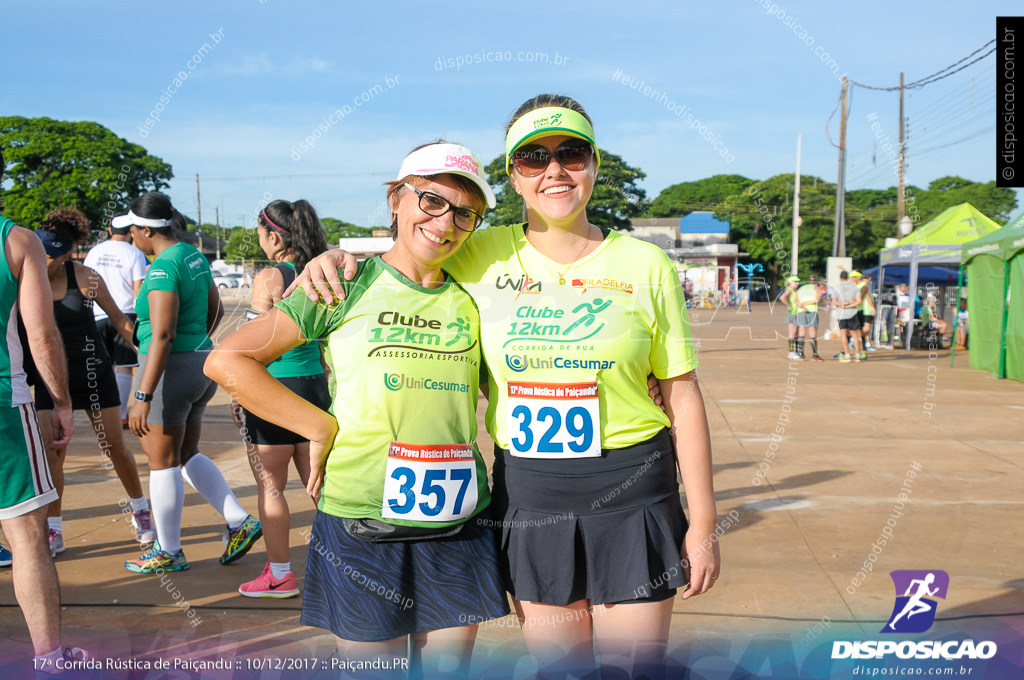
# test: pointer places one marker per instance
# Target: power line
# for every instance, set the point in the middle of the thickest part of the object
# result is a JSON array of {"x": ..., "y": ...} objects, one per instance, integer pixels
[{"x": 938, "y": 75}]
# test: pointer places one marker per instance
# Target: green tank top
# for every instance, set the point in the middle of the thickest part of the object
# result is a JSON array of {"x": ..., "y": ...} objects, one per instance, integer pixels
[
  {"x": 13, "y": 387},
  {"x": 304, "y": 360},
  {"x": 867, "y": 305}
]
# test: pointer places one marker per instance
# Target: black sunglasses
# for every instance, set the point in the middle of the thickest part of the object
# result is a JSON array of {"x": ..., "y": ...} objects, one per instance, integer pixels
[
  {"x": 435, "y": 206},
  {"x": 533, "y": 159}
]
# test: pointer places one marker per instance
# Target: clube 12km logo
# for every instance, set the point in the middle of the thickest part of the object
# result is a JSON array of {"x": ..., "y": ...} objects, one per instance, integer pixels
[{"x": 914, "y": 612}]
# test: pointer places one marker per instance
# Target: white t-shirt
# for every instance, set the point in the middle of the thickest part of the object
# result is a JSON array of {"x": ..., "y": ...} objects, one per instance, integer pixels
[{"x": 120, "y": 264}]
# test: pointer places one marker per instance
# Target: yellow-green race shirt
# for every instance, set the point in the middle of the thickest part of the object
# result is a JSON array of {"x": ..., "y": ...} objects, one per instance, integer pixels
[
  {"x": 619, "y": 316},
  {"x": 406, "y": 363}
]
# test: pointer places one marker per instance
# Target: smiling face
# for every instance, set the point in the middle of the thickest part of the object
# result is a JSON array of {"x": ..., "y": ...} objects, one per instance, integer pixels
[
  {"x": 556, "y": 195},
  {"x": 427, "y": 241}
]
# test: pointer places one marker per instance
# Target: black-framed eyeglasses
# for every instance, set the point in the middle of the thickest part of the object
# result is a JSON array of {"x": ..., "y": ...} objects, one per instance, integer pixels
[
  {"x": 533, "y": 159},
  {"x": 435, "y": 206}
]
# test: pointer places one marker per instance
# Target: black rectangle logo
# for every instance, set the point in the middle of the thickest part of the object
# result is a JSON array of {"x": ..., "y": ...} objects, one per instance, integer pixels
[{"x": 1009, "y": 102}]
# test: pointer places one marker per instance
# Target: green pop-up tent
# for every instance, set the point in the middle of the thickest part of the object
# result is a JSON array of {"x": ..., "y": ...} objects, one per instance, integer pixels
[
  {"x": 995, "y": 268},
  {"x": 939, "y": 241}
]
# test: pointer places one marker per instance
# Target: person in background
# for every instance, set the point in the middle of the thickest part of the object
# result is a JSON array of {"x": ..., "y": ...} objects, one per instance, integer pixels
[
  {"x": 930, "y": 318},
  {"x": 788, "y": 298},
  {"x": 122, "y": 267},
  {"x": 76, "y": 289},
  {"x": 808, "y": 296},
  {"x": 27, "y": 485},
  {"x": 178, "y": 307},
  {"x": 289, "y": 234},
  {"x": 846, "y": 299},
  {"x": 867, "y": 309},
  {"x": 962, "y": 325}
]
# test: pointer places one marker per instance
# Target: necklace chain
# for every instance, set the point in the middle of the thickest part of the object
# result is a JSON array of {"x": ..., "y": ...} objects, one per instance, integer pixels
[{"x": 561, "y": 274}]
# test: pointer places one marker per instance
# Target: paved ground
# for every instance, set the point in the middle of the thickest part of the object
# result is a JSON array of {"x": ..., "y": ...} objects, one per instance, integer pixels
[{"x": 801, "y": 514}]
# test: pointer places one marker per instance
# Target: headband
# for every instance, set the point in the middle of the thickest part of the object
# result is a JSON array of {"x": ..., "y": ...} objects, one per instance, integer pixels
[
  {"x": 268, "y": 221},
  {"x": 147, "y": 222},
  {"x": 550, "y": 120}
]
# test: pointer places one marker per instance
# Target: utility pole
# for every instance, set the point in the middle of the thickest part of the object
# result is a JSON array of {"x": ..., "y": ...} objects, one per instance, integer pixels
[
  {"x": 839, "y": 237},
  {"x": 199, "y": 217},
  {"x": 796, "y": 214},
  {"x": 901, "y": 195},
  {"x": 217, "y": 209}
]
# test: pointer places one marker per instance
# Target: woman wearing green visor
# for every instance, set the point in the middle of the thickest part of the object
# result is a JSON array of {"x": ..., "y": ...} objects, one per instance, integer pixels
[{"x": 573, "y": 319}]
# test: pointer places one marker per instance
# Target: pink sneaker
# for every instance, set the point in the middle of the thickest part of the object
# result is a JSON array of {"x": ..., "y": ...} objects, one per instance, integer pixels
[{"x": 267, "y": 586}]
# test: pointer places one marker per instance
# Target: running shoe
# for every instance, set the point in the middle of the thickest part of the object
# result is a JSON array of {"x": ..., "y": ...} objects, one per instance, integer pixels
[
  {"x": 158, "y": 559},
  {"x": 268, "y": 586},
  {"x": 56, "y": 542},
  {"x": 816, "y": 358},
  {"x": 871, "y": 348},
  {"x": 863, "y": 356},
  {"x": 241, "y": 539},
  {"x": 70, "y": 655},
  {"x": 143, "y": 523},
  {"x": 5, "y": 557},
  {"x": 844, "y": 358}
]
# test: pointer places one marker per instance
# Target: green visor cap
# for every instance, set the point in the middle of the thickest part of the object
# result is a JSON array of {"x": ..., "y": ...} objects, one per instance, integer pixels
[{"x": 550, "y": 120}]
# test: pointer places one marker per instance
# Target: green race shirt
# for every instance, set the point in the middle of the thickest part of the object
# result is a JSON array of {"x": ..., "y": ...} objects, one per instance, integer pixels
[
  {"x": 794, "y": 305},
  {"x": 806, "y": 298},
  {"x": 302, "y": 361},
  {"x": 406, "y": 362},
  {"x": 619, "y": 316},
  {"x": 183, "y": 270}
]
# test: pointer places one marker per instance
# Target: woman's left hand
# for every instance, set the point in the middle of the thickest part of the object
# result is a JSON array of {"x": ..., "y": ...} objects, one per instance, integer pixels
[
  {"x": 138, "y": 417},
  {"x": 701, "y": 564},
  {"x": 654, "y": 391}
]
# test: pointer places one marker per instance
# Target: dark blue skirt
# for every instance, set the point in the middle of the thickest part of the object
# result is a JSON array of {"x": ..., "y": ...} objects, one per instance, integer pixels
[{"x": 367, "y": 592}]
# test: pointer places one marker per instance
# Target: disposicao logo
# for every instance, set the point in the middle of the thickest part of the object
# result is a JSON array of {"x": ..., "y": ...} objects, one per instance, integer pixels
[{"x": 914, "y": 611}]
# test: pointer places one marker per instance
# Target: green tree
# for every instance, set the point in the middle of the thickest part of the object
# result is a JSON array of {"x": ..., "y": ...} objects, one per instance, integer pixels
[
  {"x": 53, "y": 163},
  {"x": 617, "y": 197},
  {"x": 761, "y": 223},
  {"x": 336, "y": 229},
  {"x": 243, "y": 244},
  {"x": 945, "y": 192},
  {"x": 679, "y": 200}
]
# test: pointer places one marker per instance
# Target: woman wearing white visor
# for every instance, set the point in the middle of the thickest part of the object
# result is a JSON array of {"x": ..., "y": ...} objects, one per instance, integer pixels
[{"x": 401, "y": 545}]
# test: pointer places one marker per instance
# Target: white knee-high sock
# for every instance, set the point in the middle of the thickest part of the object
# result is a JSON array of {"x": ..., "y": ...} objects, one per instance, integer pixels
[
  {"x": 167, "y": 500},
  {"x": 206, "y": 478},
  {"x": 124, "y": 390}
]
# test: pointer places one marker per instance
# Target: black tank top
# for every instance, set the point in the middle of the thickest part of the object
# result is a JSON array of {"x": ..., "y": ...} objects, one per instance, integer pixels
[{"x": 86, "y": 352}]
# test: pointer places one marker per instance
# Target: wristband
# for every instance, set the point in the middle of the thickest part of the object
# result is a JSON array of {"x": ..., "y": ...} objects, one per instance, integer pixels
[{"x": 143, "y": 396}]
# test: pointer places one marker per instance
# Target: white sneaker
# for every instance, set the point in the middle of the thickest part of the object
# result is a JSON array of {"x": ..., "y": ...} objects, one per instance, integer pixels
[
  {"x": 56, "y": 542},
  {"x": 143, "y": 523}
]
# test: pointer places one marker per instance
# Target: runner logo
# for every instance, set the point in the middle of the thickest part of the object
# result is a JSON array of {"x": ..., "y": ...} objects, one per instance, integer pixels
[{"x": 914, "y": 611}]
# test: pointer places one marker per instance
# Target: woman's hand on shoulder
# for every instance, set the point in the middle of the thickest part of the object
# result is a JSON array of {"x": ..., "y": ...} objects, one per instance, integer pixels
[{"x": 320, "y": 277}]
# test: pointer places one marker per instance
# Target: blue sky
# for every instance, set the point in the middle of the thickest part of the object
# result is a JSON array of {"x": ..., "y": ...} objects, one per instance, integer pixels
[{"x": 747, "y": 70}]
